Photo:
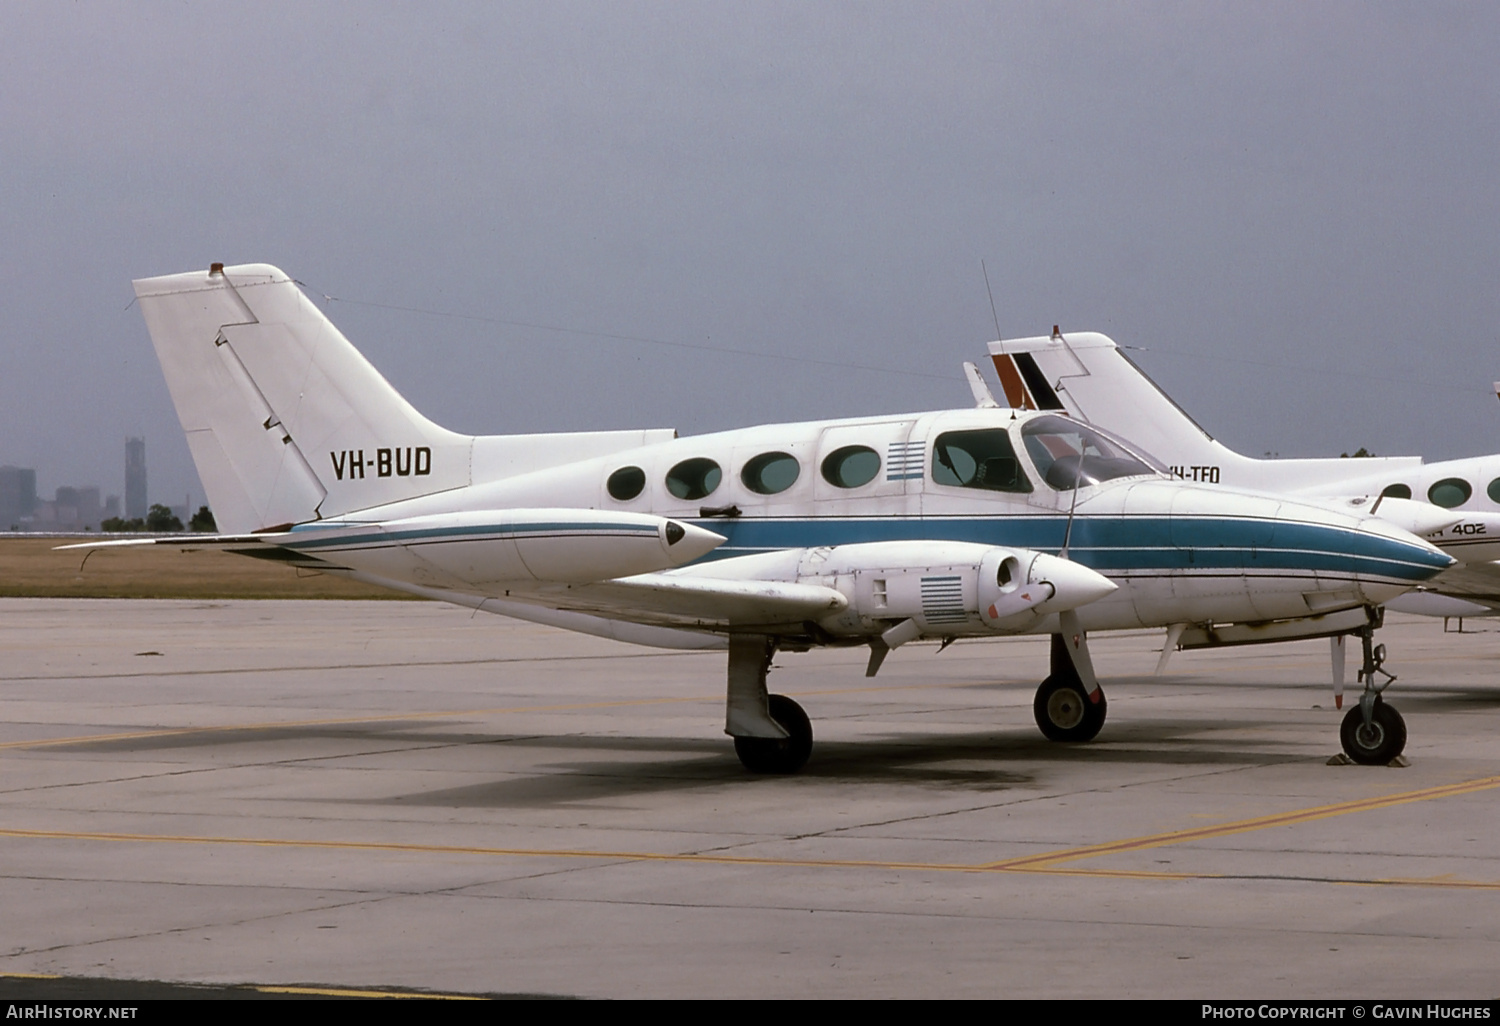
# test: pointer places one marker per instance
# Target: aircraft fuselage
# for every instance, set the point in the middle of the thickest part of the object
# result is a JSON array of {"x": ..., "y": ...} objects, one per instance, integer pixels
[{"x": 1179, "y": 552}]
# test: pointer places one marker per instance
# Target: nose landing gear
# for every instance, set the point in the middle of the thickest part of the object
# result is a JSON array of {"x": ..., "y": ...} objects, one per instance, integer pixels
[
  {"x": 1070, "y": 704},
  {"x": 1373, "y": 733},
  {"x": 1065, "y": 713}
]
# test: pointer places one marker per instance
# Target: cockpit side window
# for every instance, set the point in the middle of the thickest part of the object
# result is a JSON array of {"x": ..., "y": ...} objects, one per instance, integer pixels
[
  {"x": 1068, "y": 454},
  {"x": 982, "y": 458}
]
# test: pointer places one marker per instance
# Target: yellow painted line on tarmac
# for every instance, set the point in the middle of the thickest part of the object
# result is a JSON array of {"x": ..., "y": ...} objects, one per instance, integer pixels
[
  {"x": 30, "y": 976},
  {"x": 1429, "y": 881},
  {"x": 1047, "y": 859},
  {"x": 345, "y": 993},
  {"x": 459, "y": 849},
  {"x": 1047, "y": 862},
  {"x": 1013, "y": 866}
]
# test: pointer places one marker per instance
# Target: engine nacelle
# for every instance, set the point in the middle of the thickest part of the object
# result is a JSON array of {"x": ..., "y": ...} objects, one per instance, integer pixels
[{"x": 947, "y": 588}]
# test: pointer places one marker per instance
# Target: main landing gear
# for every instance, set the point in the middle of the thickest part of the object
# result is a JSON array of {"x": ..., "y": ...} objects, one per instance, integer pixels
[
  {"x": 771, "y": 732},
  {"x": 783, "y": 754},
  {"x": 1067, "y": 708},
  {"x": 773, "y": 735},
  {"x": 1373, "y": 733}
]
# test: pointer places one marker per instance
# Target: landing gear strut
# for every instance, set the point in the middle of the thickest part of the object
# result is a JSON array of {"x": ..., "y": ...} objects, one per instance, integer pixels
[
  {"x": 1070, "y": 704},
  {"x": 771, "y": 732},
  {"x": 1373, "y": 733}
]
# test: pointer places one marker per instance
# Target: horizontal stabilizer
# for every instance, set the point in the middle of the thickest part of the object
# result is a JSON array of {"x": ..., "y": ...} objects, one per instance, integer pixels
[
  {"x": 1420, "y": 518},
  {"x": 186, "y": 542},
  {"x": 482, "y": 552}
]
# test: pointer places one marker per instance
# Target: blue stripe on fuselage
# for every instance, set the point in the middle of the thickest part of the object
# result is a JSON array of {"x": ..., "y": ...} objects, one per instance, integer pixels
[{"x": 1109, "y": 544}]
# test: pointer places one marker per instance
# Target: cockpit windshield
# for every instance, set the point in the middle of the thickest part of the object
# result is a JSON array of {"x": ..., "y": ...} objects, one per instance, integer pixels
[{"x": 1068, "y": 454}]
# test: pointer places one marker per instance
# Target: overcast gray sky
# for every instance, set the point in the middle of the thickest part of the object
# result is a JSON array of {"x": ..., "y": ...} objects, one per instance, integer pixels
[{"x": 1291, "y": 207}]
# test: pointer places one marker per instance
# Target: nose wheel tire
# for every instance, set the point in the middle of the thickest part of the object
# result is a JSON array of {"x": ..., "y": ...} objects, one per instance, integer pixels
[
  {"x": 779, "y": 754},
  {"x": 1375, "y": 743},
  {"x": 1064, "y": 711}
]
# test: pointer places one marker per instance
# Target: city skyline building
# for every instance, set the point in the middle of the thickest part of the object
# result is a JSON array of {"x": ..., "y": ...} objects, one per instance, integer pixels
[
  {"x": 135, "y": 478},
  {"x": 17, "y": 496}
]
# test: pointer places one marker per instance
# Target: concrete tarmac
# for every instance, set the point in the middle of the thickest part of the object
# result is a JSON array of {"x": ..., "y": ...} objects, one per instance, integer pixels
[{"x": 375, "y": 794}]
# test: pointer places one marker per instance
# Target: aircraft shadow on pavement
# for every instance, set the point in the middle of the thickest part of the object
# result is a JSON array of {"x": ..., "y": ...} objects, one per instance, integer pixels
[
  {"x": 988, "y": 761},
  {"x": 997, "y": 758},
  {"x": 1445, "y": 698}
]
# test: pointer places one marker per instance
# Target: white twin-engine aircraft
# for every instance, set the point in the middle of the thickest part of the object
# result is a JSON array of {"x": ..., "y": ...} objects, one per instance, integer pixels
[
  {"x": 1455, "y": 504},
  {"x": 874, "y": 531}
]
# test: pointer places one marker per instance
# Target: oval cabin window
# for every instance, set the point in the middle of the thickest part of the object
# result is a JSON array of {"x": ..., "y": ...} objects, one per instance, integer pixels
[
  {"x": 771, "y": 473},
  {"x": 694, "y": 478},
  {"x": 1450, "y": 492},
  {"x": 626, "y": 483},
  {"x": 851, "y": 466}
]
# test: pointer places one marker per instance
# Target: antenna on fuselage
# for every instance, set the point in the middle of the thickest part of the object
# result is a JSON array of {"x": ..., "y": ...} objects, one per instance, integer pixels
[{"x": 991, "y": 293}]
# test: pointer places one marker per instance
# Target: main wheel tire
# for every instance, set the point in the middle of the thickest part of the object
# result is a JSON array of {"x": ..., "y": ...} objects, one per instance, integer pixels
[
  {"x": 1379, "y": 742},
  {"x": 779, "y": 754},
  {"x": 1064, "y": 712}
]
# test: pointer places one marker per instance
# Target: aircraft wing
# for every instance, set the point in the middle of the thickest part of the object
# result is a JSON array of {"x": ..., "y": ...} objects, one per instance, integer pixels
[
  {"x": 693, "y": 602},
  {"x": 652, "y": 599},
  {"x": 1477, "y": 582}
]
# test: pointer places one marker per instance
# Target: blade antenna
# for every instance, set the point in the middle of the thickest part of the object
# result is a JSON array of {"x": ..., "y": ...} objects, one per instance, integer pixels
[{"x": 991, "y": 293}]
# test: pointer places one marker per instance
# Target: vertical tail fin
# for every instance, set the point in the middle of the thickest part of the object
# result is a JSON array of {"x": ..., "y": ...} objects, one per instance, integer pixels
[
  {"x": 1086, "y": 374},
  {"x": 286, "y": 421}
]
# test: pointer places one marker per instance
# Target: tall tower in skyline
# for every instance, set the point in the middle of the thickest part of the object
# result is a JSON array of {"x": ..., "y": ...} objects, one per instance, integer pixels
[
  {"x": 135, "y": 478},
  {"x": 17, "y": 495}
]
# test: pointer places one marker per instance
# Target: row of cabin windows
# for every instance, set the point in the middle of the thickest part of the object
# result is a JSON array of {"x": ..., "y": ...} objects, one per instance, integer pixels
[
  {"x": 966, "y": 459},
  {"x": 1448, "y": 493},
  {"x": 770, "y": 473}
]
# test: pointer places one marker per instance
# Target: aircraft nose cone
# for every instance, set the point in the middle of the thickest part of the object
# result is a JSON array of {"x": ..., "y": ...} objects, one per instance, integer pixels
[
  {"x": 684, "y": 543},
  {"x": 1073, "y": 584}
]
